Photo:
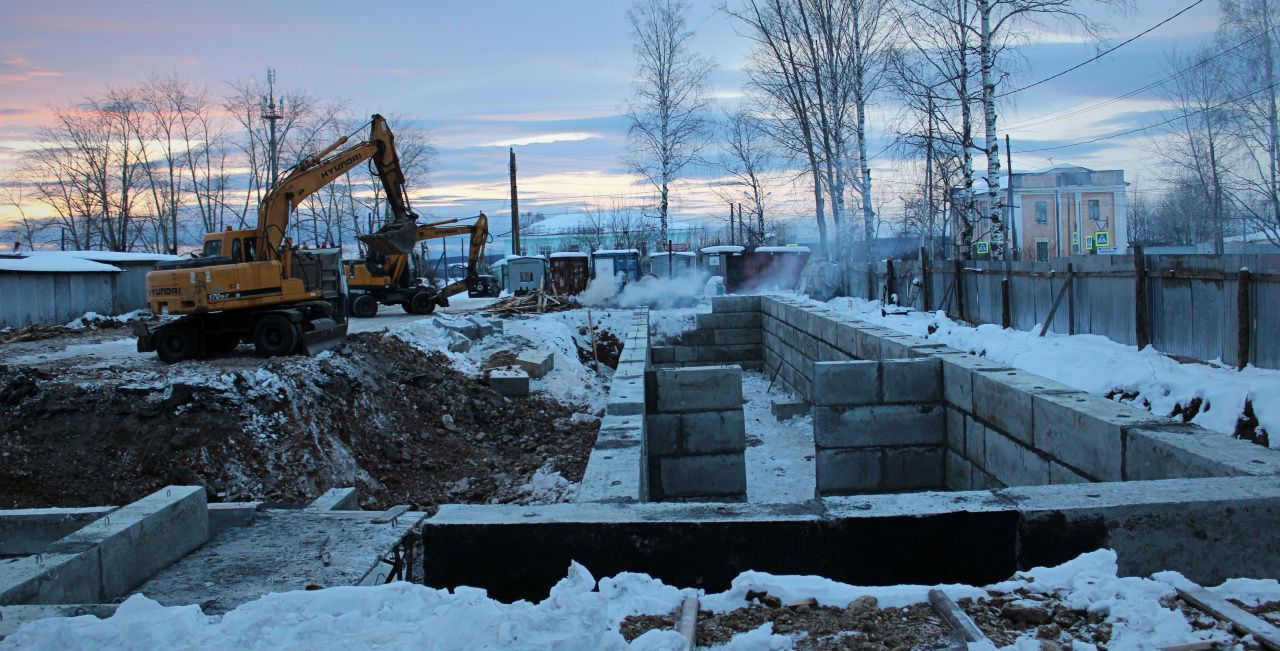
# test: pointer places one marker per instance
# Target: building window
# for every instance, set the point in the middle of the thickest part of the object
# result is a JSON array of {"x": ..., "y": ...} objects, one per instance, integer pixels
[
  {"x": 1042, "y": 212},
  {"x": 1095, "y": 210},
  {"x": 1042, "y": 250},
  {"x": 544, "y": 250}
]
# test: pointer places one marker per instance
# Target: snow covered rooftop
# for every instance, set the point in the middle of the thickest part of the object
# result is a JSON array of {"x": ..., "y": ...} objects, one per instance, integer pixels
[
  {"x": 617, "y": 252},
  {"x": 782, "y": 249},
  {"x": 664, "y": 254},
  {"x": 723, "y": 248},
  {"x": 571, "y": 222},
  {"x": 569, "y": 254},
  {"x": 113, "y": 256},
  {"x": 50, "y": 263}
]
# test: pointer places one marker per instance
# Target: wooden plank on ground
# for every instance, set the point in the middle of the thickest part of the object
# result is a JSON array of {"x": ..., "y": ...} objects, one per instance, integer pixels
[
  {"x": 957, "y": 619},
  {"x": 687, "y": 623},
  {"x": 1244, "y": 622}
]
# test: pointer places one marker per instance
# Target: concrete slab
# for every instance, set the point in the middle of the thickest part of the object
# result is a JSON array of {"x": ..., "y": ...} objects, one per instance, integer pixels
[
  {"x": 31, "y": 531},
  {"x": 281, "y": 551},
  {"x": 513, "y": 383},
  {"x": 337, "y": 499}
]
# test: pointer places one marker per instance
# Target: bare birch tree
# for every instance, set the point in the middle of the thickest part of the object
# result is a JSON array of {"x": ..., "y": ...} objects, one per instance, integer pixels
[{"x": 667, "y": 112}]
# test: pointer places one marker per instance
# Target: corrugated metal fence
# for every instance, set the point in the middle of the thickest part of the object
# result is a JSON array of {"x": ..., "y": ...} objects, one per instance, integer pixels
[
  {"x": 54, "y": 298},
  {"x": 1205, "y": 307}
]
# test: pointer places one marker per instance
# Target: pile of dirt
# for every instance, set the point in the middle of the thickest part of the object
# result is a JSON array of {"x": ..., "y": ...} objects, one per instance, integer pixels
[
  {"x": 401, "y": 425},
  {"x": 860, "y": 625}
]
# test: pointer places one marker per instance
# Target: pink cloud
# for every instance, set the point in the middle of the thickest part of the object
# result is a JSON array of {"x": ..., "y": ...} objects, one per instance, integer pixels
[{"x": 16, "y": 69}]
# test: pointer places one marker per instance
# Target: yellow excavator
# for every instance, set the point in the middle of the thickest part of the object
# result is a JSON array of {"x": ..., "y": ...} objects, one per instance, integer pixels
[
  {"x": 387, "y": 276},
  {"x": 253, "y": 284}
]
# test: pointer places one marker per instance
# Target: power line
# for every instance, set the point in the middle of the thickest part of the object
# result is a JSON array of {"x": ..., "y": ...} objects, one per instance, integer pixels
[
  {"x": 1036, "y": 121},
  {"x": 1107, "y": 51},
  {"x": 1152, "y": 126}
]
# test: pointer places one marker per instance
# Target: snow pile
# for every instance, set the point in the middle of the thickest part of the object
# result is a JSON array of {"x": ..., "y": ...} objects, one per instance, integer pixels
[
  {"x": 94, "y": 320},
  {"x": 393, "y": 616},
  {"x": 1100, "y": 366},
  {"x": 547, "y": 486},
  {"x": 581, "y": 614}
]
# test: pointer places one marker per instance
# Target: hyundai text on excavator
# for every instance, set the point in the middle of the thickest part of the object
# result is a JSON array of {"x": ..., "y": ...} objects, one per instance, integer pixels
[
  {"x": 387, "y": 276},
  {"x": 253, "y": 284}
]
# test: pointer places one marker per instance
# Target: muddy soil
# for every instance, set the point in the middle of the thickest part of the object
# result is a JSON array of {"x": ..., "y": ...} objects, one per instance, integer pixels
[{"x": 401, "y": 425}]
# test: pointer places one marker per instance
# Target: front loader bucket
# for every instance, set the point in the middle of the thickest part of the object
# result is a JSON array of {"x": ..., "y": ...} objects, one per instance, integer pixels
[
  {"x": 326, "y": 334},
  {"x": 392, "y": 239}
]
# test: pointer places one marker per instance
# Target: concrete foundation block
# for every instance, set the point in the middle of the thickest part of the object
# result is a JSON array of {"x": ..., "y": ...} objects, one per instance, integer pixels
[
  {"x": 879, "y": 425},
  {"x": 483, "y": 326},
  {"x": 458, "y": 342},
  {"x": 1003, "y": 405},
  {"x": 1174, "y": 451},
  {"x": 707, "y": 432},
  {"x": 336, "y": 499},
  {"x": 913, "y": 468},
  {"x": 957, "y": 473},
  {"x": 706, "y": 475},
  {"x": 736, "y": 304},
  {"x": 31, "y": 531},
  {"x": 955, "y": 430},
  {"x": 662, "y": 354},
  {"x": 698, "y": 337},
  {"x": 867, "y": 345},
  {"x": 537, "y": 363},
  {"x": 626, "y": 397},
  {"x": 846, "y": 383},
  {"x": 788, "y": 409},
  {"x": 847, "y": 471},
  {"x": 513, "y": 383},
  {"x": 730, "y": 353},
  {"x": 739, "y": 336},
  {"x": 52, "y": 578},
  {"x": 465, "y": 328},
  {"x": 1085, "y": 432},
  {"x": 145, "y": 536},
  {"x": 697, "y": 388},
  {"x": 729, "y": 320},
  {"x": 224, "y": 515},
  {"x": 911, "y": 380},
  {"x": 957, "y": 378},
  {"x": 1012, "y": 463},
  {"x": 686, "y": 354},
  {"x": 1060, "y": 474},
  {"x": 975, "y": 440}
]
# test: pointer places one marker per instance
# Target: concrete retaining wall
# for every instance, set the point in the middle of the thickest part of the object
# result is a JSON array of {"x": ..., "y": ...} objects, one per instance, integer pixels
[
  {"x": 31, "y": 531},
  {"x": 730, "y": 334},
  {"x": 695, "y": 436},
  {"x": 615, "y": 470},
  {"x": 878, "y": 426}
]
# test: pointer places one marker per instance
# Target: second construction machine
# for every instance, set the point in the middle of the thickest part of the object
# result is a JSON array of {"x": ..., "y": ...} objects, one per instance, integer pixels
[
  {"x": 253, "y": 285},
  {"x": 388, "y": 276}
]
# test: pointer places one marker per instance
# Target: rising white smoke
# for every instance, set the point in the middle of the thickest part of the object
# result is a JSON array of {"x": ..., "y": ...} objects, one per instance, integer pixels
[{"x": 658, "y": 293}]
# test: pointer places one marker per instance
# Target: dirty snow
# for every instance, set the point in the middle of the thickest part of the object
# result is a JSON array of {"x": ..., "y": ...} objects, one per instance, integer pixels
[
  {"x": 581, "y": 613},
  {"x": 1099, "y": 365},
  {"x": 779, "y": 454}
]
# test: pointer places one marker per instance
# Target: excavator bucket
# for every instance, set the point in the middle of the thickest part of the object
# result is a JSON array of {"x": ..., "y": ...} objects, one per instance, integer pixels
[
  {"x": 392, "y": 239},
  {"x": 326, "y": 334}
]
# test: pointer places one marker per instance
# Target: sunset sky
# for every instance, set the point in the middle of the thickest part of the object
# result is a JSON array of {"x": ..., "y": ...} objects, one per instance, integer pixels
[{"x": 548, "y": 77}]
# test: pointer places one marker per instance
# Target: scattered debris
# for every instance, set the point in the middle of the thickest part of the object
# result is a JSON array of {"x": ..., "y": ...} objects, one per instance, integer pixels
[{"x": 533, "y": 302}]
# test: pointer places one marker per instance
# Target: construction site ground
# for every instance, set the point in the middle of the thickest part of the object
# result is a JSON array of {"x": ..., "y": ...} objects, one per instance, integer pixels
[{"x": 392, "y": 411}]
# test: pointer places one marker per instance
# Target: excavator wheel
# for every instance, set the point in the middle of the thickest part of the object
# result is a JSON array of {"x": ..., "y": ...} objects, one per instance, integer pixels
[
  {"x": 274, "y": 335},
  {"x": 421, "y": 303},
  {"x": 364, "y": 306},
  {"x": 176, "y": 342}
]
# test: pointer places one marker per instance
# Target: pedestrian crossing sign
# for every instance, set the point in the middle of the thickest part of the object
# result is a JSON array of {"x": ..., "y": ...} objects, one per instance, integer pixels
[
  {"x": 1102, "y": 238},
  {"x": 984, "y": 248}
]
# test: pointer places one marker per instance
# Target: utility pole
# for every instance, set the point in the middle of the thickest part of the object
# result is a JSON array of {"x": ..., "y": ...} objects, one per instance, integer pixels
[
  {"x": 515, "y": 207},
  {"x": 1009, "y": 223},
  {"x": 742, "y": 225},
  {"x": 271, "y": 116},
  {"x": 731, "y": 232}
]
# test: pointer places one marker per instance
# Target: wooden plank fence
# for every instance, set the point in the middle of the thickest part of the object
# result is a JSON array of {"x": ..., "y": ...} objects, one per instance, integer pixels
[{"x": 1206, "y": 307}]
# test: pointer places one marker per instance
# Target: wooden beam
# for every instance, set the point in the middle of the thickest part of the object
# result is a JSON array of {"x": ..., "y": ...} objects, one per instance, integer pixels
[
  {"x": 957, "y": 619},
  {"x": 1243, "y": 318},
  {"x": 1243, "y": 622},
  {"x": 1053, "y": 309},
  {"x": 687, "y": 622}
]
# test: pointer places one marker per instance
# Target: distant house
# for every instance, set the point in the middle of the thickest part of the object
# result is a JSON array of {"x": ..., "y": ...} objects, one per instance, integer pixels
[{"x": 1063, "y": 210}]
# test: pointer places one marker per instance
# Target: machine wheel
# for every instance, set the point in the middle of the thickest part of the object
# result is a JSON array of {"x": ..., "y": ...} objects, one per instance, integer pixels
[
  {"x": 220, "y": 344},
  {"x": 421, "y": 303},
  {"x": 275, "y": 335},
  {"x": 364, "y": 306},
  {"x": 175, "y": 343}
]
